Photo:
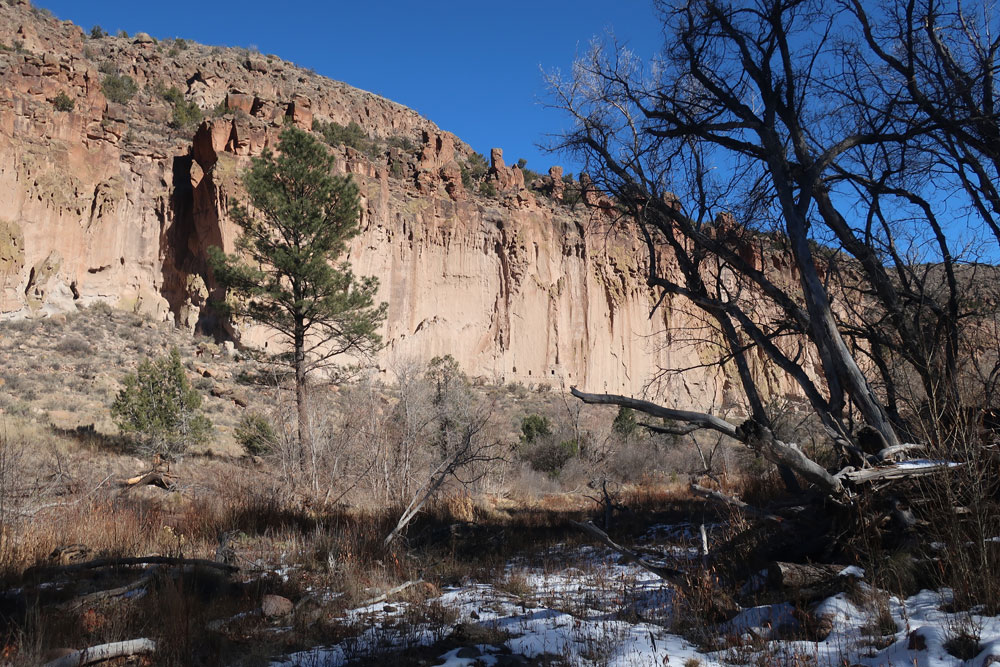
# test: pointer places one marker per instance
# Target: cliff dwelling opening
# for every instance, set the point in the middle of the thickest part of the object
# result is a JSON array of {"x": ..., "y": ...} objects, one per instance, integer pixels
[{"x": 179, "y": 236}]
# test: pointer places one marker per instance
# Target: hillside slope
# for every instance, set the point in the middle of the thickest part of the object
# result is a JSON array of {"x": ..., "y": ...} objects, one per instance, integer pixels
[{"x": 115, "y": 202}]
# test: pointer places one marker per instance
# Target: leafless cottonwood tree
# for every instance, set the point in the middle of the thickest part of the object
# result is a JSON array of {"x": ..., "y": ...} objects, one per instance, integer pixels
[
  {"x": 458, "y": 430},
  {"x": 856, "y": 141}
]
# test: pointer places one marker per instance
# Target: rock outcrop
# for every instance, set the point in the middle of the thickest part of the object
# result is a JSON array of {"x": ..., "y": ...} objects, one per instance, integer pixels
[{"x": 112, "y": 202}]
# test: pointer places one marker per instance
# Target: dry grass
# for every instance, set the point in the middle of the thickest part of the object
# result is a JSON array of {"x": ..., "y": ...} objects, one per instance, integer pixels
[{"x": 283, "y": 541}]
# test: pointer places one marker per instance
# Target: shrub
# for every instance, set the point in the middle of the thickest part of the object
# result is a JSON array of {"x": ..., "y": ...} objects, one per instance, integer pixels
[
  {"x": 97, "y": 32},
  {"x": 119, "y": 88},
  {"x": 123, "y": 33},
  {"x": 74, "y": 345},
  {"x": 549, "y": 456},
  {"x": 534, "y": 427},
  {"x": 529, "y": 175},
  {"x": 63, "y": 102},
  {"x": 186, "y": 114},
  {"x": 488, "y": 189},
  {"x": 256, "y": 435},
  {"x": 351, "y": 135},
  {"x": 404, "y": 144},
  {"x": 473, "y": 170},
  {"x": 159, "y": 409}
]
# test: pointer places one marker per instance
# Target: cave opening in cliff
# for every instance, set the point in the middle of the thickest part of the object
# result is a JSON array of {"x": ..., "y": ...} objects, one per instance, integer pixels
[{"x": 179, "y": 227}]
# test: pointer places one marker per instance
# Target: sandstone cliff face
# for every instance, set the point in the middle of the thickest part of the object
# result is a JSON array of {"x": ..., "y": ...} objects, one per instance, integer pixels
[{"x": 107, "y": 203}]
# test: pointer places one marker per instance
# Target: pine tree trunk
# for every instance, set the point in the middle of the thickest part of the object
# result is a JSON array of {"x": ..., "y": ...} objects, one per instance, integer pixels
[{"x": 300, "y": 394}]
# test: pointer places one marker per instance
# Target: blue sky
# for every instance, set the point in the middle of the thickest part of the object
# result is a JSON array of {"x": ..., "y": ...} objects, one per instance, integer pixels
[{"x": 474, "y": 68}]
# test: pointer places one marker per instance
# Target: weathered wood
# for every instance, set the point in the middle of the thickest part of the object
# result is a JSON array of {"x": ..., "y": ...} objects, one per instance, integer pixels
[
  {"x": 128, "y": 562},
  {"x": 102, "y": 652},
  {"x": 700, "y": 418},
  {"x": 760, "y": 438},
  {"x": 668, "y": 573},
  {"x": 801, "y": 575},
  {"x": 97, "y": 596},
  {"x": 889, "y": 453},
  {"x": 153, "y": 478},
  {"x": 896, "y": 471},
  {"x": 390, "y": 592},
  {"x": 671, "y": 430},
  {"x": 722, "y": 499}
]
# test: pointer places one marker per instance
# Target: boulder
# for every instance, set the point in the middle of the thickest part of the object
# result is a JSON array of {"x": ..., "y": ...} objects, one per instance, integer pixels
[
  {"x": 276, "y": 606},
  {"x": 239, "y": 102}
]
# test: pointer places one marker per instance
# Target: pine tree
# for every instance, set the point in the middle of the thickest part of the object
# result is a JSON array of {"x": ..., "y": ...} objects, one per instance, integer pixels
[
  {"x": 297, "y": 224},
  {"x": 160, "y": 409}
]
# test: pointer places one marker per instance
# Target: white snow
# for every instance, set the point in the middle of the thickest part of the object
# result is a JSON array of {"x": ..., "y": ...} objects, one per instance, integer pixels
[{"x": 592, "y": 610}]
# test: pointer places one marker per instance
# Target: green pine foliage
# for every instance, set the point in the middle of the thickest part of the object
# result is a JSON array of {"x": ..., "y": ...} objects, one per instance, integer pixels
[
  {"x": 625, "y": 423},
  {"x": 297, "y": 224},
  {"x": 535, "y": 427},
  {"x": 159, "y": 409}
]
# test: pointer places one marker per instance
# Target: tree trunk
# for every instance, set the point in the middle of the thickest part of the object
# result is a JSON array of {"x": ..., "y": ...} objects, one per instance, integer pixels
[{"x": 301, "y": 391}]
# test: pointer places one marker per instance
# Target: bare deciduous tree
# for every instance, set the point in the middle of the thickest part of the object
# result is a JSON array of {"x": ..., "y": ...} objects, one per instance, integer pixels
[{"x": 795, "y": 130}]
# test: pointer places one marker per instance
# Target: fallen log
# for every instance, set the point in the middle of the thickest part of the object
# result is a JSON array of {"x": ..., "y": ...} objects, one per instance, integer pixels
[
  {"x": 102, "y": 652},
  {"x": 129, "y": 562},
  {"x": 801, "y": 575},
  {"x": 97, "y": 596},
  {"x": 152, "y": 478}
]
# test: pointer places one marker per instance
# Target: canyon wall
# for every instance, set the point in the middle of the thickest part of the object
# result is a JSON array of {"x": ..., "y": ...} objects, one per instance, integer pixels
[{"x": 111, "y": 202}]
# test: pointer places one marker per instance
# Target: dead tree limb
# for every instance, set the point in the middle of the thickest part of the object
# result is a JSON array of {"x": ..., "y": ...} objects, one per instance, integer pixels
[
  {"x": 102, "y": 652},
  {"x": 391, "y": 591},
  {"x": 761, "y": 439},
  {"x": 729, "y": 501},
  {"x": 896, "y": 471},
  {"x": 668, "y": 573},
  {"x": 755, "y": 435},
  {"x": 702, "y": 419},
  {"x": 889, "y": 453},
  {"x": 671, "y": 430}
]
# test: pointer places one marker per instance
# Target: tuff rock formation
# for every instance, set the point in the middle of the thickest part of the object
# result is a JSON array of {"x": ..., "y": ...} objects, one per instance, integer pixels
[{"x": 110, "y": 202}]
